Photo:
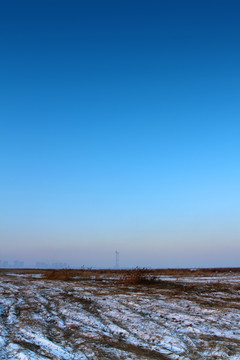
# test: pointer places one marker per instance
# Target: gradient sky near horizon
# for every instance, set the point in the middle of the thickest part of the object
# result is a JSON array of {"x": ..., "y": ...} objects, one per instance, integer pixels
[{"x": 120, "y": 129}]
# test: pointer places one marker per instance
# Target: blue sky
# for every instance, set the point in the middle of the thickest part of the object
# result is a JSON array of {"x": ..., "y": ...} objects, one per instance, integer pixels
[{"x": 119, "y": 129}]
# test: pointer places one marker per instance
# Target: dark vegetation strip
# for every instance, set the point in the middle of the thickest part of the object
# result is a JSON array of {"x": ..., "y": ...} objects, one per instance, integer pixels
[
  {"x": 130, "y": 348},
  {"x": 181, "y": 271}
]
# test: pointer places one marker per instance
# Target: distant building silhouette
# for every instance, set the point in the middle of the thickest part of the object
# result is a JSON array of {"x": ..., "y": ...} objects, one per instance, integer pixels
[
  {"x": 5, "y": 264},
  {"x": 41, "y": 265},
  {"x": 18, "y": 264}
]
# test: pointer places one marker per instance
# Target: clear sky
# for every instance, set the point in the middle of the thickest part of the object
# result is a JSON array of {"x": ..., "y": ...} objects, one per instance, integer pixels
[{"x": 120, "y": 129}]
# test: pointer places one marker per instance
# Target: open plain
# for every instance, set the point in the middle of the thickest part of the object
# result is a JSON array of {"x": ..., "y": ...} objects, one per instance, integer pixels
[{"x": 120, "y": 314}]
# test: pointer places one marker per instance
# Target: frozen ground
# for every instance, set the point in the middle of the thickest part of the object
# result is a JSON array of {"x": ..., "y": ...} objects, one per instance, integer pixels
[{"x": 184, "y": 317}]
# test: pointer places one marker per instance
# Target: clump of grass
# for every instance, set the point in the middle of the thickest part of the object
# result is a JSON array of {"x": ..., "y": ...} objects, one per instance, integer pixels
[
  {"x": 70, "y": 274},
  {"x": 137, "y": 276},
  {"x": 61, "y": 274}
]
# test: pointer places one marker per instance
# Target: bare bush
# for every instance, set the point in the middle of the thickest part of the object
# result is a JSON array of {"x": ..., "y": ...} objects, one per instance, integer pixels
[
  {"x": 62, "y": 275},
  {"x": 137, "y": 276}
]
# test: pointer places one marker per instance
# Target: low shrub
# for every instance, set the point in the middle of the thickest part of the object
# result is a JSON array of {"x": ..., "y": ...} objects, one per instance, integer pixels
[
  {"x": 62, "y": 275},
  {"x": 137, "y": 276}
]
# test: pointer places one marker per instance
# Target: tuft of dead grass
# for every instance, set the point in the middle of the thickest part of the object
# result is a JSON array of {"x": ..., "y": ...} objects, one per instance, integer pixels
[
  {"x": 137, "y": 276},
  {"x": 62, "y": 275}
]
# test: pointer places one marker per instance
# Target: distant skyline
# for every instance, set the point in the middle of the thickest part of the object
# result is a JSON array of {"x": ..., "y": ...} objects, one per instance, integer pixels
[{"x": 120, "y": 129}]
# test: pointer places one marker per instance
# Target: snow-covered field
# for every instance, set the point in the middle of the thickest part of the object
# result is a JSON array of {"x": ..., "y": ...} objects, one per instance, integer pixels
[{"x": 98, "y": 318}]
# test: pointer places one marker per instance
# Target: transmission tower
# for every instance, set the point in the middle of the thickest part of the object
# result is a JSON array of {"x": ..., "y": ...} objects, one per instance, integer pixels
[{"x": 117, "y": 259}]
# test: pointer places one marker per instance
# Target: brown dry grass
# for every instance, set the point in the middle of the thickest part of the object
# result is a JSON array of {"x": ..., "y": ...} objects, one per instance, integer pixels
[
  {"x": 137, "y": 276},
  {"x": 116, "y": 272},
  {"x": 62, "y": 274}
]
